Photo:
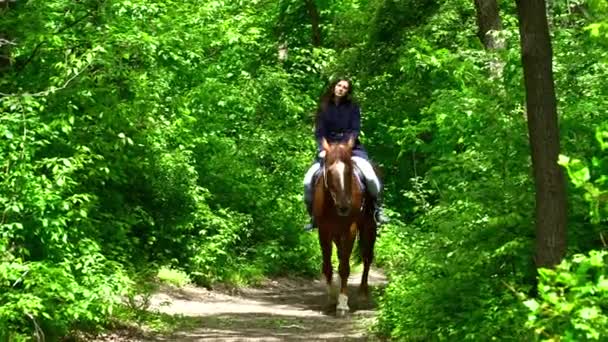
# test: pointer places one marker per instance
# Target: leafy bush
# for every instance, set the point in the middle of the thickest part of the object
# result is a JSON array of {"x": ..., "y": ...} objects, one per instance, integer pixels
[
  {"x": 439, "y": 285},
  {"x": 134, "y": 140},
  {"x": 48, "y": 298},
  {"x": 172, "y": 276},
  {"x": 573, "y": 300},
  {"x": 592, "y": 178}
]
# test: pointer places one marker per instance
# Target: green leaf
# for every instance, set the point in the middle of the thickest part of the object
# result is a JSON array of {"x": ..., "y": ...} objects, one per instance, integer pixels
[
  {"x": 603, "y": 284},
  {"x": 532, "y": 305},
  {"x": 589, "y": 313}
]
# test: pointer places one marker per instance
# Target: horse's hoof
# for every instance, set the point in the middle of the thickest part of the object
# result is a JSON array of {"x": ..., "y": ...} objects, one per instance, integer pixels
[{"x": 341, "y": 312}]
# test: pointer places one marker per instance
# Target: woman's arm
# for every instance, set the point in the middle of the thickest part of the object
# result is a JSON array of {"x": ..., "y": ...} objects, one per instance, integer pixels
[
  {"x": 320, "y": 131},
  {"x": 355, "y": 123}
]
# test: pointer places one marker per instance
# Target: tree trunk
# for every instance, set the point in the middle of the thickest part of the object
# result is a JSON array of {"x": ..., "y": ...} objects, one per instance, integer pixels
[
  {"x": 4, "y": 42},
  {"x": 5, "y": 56},
  {"x": 488, "y": 23},
  {"x": 488, "y": 20},
  {"x": 315, "y": 22},
  {"x": 543, "y": 132}
]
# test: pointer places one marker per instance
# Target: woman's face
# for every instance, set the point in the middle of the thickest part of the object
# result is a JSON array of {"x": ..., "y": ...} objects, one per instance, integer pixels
[{"x": 341, "y": 89}]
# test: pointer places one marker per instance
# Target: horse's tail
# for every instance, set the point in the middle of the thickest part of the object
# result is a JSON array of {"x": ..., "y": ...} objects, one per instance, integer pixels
[{"x": 366, "y": 229}]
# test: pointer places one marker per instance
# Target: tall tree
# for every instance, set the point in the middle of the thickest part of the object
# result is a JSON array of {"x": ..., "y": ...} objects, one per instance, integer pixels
[
  {"x": 313, "y": 12},
  {"x": 4, "y": 41},
  {"x": 543, "y": 131},
  {"x": 488, "y": 21},
  {"x": 488, "y": 24},
  {"x": 4, "y": 52}
]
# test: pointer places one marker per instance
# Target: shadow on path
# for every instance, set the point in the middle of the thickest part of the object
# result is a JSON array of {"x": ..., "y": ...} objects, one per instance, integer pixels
[
  {"x": 278, "y": 310},
  {"x": 268, "y": 327}
]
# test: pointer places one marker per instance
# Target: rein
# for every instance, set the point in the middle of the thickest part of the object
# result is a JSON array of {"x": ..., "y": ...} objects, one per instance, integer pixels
[{"x": 325, "y": 175}]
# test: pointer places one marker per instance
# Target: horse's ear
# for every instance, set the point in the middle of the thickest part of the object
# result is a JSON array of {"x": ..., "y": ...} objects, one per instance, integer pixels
[
  {"x": 325, "y": 144},
  {"x": 351, "y": 143}
]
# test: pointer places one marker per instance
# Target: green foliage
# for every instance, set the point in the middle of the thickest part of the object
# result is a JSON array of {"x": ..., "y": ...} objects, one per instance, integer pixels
[
  {"x": 452, "y": 276},
  {"x": 461, "y": 261},
  {"x": 572, "y": 300},
  {"x": 50, "y": 296},
  {"x": 460, "y": 184},
  {"x": 144, "y": 133},
  {"x": 598, "y": 29},
  {"x": 595, "y": 188},
  {"x": 140, "y": 133},
  {"x": 573, "y": 297}
]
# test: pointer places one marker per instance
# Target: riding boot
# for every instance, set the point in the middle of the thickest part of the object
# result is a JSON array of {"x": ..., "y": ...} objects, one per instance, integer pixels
[
  {"x": 308, "y": 200},
  {"x": 379, "y": 211},
  {"x": 311, "y": 225}
]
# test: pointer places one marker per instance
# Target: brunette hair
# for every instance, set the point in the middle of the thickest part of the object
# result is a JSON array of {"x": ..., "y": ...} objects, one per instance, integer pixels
[{"x": 328, "y": 96}]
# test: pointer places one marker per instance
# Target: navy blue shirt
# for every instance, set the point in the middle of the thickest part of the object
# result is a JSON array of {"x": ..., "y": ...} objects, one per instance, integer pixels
[{"x": 338, "y": 123}]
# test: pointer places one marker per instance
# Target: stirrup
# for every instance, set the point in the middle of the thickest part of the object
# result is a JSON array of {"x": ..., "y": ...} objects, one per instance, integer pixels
[{"x": 379, "y": 216}]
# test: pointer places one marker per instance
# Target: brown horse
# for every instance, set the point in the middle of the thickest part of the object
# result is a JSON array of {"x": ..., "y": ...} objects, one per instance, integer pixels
[{"x": 341, "y": 210}]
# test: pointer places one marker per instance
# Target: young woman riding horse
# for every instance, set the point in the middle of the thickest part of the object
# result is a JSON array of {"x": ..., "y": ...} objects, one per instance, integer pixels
[
  {"x": 338, "y": 119},
  {"x": 337, "y": 203}
]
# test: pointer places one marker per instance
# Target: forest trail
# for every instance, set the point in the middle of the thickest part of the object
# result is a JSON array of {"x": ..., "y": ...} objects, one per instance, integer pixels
[{"x": 277, "y": 310}]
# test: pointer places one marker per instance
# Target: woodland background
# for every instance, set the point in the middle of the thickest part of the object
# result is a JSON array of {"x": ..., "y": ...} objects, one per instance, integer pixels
[{"x": 142, "y": 135}]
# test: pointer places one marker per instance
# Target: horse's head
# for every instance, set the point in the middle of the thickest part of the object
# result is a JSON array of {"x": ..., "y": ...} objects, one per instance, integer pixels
[{"x": 338, "y": 174}]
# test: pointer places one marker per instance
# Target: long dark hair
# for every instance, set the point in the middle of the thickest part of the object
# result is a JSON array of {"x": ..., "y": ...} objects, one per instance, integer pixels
[{"x": 328, "y": 96}]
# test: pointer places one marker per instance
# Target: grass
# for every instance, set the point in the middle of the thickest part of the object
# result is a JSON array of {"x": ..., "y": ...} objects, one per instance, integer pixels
[{"x": 173, "y": 277}]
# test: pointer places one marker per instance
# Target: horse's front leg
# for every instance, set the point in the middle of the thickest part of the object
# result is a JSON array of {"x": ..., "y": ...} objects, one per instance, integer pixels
[{"x": 344, "y": 251}]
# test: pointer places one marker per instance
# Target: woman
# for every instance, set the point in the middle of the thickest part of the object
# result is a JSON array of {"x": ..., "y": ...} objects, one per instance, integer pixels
[{"x": 338, "y": 118}]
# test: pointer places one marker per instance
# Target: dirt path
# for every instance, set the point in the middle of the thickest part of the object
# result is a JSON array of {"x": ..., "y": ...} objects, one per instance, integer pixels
[{"x": 279, "y": 310}]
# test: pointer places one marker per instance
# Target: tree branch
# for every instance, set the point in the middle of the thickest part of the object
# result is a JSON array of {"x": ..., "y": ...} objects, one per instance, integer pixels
[
  {"x": 39, "y": 332},
  {"x": 6, "y": 42},
  {"x": 39, "y": 45},
  {"x": 20, "y": 278},
  {"x": 50, "y": 90}
]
